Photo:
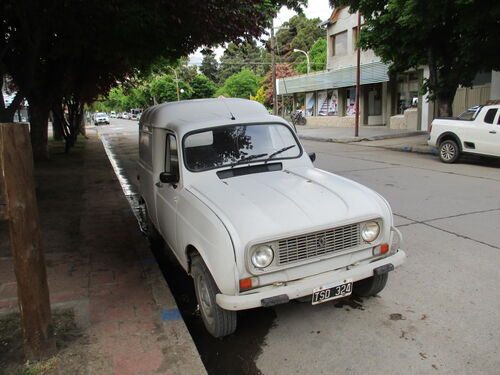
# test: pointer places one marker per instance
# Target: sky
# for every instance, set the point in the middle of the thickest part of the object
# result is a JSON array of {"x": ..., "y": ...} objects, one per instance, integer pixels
[{"x": 315, "y": 8}]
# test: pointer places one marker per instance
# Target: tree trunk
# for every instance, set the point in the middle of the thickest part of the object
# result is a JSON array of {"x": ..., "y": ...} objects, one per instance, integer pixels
[
  {"x": 445, "y": 106},
  {"x": 16, "y": 167},
  {"x": 57, "y": 130},
  {"x": 39, "y": 116}
]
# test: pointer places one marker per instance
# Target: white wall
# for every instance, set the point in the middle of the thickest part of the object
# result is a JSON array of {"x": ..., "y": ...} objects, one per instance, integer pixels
[{"x": 346, "y": 22}]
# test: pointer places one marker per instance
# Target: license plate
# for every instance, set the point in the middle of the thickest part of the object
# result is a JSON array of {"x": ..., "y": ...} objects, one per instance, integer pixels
[{"x": 332, "y": 291}]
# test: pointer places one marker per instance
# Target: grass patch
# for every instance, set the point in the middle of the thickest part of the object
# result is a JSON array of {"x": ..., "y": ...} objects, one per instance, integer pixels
[{"x": 12, "y": 360}]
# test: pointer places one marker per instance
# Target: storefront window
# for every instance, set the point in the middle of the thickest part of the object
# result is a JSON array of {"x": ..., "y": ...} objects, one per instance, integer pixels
[
  {"x": 333, "y": 102},
  {"x": 310, "y": 104},
  {"x": 407, "y": 87},
  {"x": 350, "y": 109},
  {"x": 322, "y": 103},
  {"x": 375, "y": 100}
]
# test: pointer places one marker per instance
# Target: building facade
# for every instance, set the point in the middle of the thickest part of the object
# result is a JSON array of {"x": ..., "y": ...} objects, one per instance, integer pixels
[{"x": 328, "y": 97}]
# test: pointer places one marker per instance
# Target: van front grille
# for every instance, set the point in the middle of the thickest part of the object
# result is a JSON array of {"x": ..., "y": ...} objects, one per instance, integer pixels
[{"x": 312, "y": 245}]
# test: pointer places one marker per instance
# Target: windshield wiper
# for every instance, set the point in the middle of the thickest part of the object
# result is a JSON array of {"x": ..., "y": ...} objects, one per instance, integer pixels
[
  {"x": 280, "y": 151},
  {"x": 247, "y": 158}
]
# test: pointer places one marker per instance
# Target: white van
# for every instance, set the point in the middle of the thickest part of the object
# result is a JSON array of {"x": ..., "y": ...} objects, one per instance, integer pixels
[{"x": 237, "y": 199}]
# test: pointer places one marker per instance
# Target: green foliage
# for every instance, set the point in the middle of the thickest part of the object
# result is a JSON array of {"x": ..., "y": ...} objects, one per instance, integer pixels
[
  {"x": 299, "y": 32},
  {"x": 236, "y": 57},
  {"x": 164, "y": 89},
  {"x": 240, "y": 85},
  {"x": 317, "y": 57},
  {"x": 455, "y": 38},
  {"x": 260, "y": 96},
  {"x": 210, "y": 67},
  {"x": 202, "y": 87}
]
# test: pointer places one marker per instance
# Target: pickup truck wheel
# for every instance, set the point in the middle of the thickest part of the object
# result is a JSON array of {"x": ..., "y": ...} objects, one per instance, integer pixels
[
  {"x": 218, "y": 322},
  {"x": 370, "y": 286},
  {"x": 448, "y": 151}
]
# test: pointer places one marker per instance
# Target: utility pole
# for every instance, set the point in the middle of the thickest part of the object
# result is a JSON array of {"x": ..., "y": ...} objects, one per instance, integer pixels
[
  {"x": 273, "y": 70},
  {"x": 358, "y": 57},
  {"x": 176, "y": 83}
]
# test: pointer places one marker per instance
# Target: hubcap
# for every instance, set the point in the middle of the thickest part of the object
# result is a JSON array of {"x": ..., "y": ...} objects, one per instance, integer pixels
[
  {"x": 205, "y": 300},
  {"x": 447, "y": 151}
]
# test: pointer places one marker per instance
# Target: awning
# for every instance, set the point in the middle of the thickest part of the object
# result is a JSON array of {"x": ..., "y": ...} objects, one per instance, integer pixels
[{"x": 374, "y": 72}]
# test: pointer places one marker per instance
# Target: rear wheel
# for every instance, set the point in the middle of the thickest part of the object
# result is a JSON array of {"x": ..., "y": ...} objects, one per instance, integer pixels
[
  {"x": 370, "y": 286},
  {"x": 448, "y": 151},
  {"x": 218, "y": 322}
]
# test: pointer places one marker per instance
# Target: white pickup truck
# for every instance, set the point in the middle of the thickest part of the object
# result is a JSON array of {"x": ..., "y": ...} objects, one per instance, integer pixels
[
  {"x": 475, "y": 131},
  {"x": 237, "y": 199}
]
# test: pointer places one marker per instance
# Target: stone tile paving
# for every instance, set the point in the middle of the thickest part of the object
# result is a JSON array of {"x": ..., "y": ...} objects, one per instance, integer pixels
[{"x": 120, "y": 297}]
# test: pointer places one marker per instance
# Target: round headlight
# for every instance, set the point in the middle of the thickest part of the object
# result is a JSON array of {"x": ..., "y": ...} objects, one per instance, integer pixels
[
  {"x": 370, "y": 231},
  {"x": 262, "y": 256}
]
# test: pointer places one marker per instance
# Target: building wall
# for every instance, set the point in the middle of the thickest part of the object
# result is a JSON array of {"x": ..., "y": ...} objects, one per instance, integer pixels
[{"x": 346, "y": 22}]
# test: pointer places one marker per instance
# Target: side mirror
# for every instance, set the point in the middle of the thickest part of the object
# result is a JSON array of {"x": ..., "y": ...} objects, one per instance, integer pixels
[
  {"x": 169, "y": 177},
  {"x": 312, "y": 156}
]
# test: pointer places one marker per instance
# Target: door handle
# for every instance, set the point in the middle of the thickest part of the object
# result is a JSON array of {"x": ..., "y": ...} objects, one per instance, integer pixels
[
  {"x": 159, "y": 184},
  {"x": 493, "y": 132}
]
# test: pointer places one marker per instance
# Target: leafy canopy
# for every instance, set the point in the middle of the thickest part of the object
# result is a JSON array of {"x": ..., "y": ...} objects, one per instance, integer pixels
[
  {"x": 240, "y": 85},
  {"x": 456, "y": 39}
]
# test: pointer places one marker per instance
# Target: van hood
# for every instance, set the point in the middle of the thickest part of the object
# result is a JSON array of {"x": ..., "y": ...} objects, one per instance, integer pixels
[{"x": 266, "y": 206}]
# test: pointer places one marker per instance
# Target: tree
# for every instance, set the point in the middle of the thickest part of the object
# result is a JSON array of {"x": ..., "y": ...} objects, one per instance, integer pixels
[
  {"x": 282, "y": 71},
  {"x": 456, "y": 39},
  {"x": 240, "y": 85},
  {"x": 202, "y": 87},
  {"x": 299, "y": 32},
  {"x": 66, "y": 49},
  {"x": 260, "y": 96},
  {"x": 209, "y": 66},
  {"x": 164, "y": 89},
  {"x": 317, "y": 57},
  {"x": 237, "y": 57}
]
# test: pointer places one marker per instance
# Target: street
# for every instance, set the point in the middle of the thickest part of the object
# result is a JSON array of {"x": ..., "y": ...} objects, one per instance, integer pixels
[{"x": 439, "y": 311}]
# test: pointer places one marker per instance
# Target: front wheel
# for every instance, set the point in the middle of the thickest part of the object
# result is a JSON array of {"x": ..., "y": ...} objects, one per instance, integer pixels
[
  {"x": 218, "y": 322},
  {"x": 370, "y": 286},
  {"x": 448, "y": 151},
  {"x": 302, "y": 121}
]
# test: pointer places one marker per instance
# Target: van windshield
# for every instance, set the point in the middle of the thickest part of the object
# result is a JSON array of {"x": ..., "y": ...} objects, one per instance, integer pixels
[{"x": 239, "y": 144}]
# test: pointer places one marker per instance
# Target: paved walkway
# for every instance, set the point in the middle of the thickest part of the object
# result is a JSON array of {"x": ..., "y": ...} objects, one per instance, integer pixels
[
  {"x": 376, "y": 136},
  {"x": 113, "y": 283}
]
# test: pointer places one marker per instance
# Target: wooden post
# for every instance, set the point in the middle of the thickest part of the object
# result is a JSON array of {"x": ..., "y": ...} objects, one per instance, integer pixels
[{"x": 16, "y": 176}]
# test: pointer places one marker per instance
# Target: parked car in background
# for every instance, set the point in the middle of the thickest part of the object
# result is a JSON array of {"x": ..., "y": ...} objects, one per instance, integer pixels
[
  {"x": 237, "y": 199},
  {"x": 475, "y": 131},
  {"x": 125, "y": 115},
  {"x": 112, "y": 114},
  {"x": 101, "y": 118}
]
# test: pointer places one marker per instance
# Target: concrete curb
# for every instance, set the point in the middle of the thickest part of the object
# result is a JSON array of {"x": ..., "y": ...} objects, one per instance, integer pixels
[{"x": 360, "y": 139}]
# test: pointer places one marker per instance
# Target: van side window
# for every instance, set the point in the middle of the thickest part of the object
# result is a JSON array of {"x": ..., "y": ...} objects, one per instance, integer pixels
[
  {"x": 171, "y": 155},
  {"x": 490, "y": 115}
]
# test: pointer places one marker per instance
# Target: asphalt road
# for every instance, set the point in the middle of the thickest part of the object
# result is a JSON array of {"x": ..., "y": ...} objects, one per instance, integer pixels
[{"x": 439, "y": 312}]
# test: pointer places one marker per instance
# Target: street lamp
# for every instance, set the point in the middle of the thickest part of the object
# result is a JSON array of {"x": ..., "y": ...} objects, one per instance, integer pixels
[{"x": 307, "y": 57}]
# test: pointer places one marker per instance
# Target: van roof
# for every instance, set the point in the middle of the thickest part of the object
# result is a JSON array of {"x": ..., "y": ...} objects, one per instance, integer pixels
[{"x": 188, "y": 115}]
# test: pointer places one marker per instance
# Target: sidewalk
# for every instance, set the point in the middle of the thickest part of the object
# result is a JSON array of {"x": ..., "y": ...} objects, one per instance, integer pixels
[
  {"x": 375, "y": 136},
  {"x": 100, "y": 265}
]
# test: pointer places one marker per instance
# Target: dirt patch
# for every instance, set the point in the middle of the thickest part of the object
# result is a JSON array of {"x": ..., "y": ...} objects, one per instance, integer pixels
[{"x": 12, "y": 360}]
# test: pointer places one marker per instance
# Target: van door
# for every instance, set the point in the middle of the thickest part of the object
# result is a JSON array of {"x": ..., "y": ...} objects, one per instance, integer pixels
[{"x": 167, "y": 193}]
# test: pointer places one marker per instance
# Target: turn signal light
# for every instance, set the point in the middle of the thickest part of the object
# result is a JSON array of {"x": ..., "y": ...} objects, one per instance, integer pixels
[
  {"x": 382, "y": 249},
  {"x": 245, "y": 283}
]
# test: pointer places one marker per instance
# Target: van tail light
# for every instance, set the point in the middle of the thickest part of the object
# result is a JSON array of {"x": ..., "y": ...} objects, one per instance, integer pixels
[{"x": 381, "y": 249}]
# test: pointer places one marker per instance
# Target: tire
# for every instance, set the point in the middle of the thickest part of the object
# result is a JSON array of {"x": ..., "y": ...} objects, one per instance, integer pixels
[
  {"x": 370, "y": 286},
  {"x": 218, "y": 322},
  {"x": 302, "y": 121},
  {"x": 449, "y": 151}
]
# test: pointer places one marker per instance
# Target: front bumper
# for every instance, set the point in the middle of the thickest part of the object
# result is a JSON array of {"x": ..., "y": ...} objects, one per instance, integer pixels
[{"x": 304, "y": 287}]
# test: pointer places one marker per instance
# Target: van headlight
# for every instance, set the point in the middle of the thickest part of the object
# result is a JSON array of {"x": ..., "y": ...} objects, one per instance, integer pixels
[
  {"x": 262, "y": 256},
  {"x": 370, "y": 231}
]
